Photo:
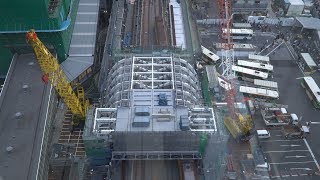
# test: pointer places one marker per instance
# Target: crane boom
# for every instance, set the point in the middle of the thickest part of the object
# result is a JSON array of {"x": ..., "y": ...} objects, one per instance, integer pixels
[
  {"x": 238, "y": 125},
  {"x": 53, "y": 72}
]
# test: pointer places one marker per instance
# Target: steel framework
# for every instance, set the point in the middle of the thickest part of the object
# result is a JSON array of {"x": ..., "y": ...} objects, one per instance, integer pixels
[
  {"x": 54, "y": 73},
  {"x": 224, "y": 7}
]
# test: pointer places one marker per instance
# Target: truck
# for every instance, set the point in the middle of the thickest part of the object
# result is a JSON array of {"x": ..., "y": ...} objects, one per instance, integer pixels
[
  {"x": 278, "y": 116},
  {"x": 292, "y": 131}
]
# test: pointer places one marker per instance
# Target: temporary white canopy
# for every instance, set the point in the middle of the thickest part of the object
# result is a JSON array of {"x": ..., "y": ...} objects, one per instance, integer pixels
[{"x": 309, "y": 22}]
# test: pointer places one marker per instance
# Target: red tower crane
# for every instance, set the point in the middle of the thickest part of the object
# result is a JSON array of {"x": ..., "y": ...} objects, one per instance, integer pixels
[{"x": 238, "y": 126}]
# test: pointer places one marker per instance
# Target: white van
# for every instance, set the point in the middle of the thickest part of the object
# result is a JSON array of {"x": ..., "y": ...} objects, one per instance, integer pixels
[{"x": 263, "y": 134}]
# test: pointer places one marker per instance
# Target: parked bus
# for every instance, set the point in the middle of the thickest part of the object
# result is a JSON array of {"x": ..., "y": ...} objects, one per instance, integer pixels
[
  {"x": 264, "y": 83},
  {"x": 248, "y": 74},
  {"x": 241, "y": 25},
  {"x": 209, "y": 56},
  {"x": 309, "y": 66},
  {"x": 259, "y": 92},
  {"x": 312, "y": 90},
  {"x": 239, "y": 33},
  {"x": 259, "y": 58},
  {"x": 256, "y": 65}
]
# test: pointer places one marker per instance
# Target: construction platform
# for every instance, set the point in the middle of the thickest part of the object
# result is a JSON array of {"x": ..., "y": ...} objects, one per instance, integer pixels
[{"x": 23, "y": 117}]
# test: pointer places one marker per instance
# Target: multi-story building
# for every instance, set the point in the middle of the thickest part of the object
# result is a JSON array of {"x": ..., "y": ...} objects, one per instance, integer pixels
[
  {"x": 151, "y": 109},
  {"x": 53, "y": 20}
]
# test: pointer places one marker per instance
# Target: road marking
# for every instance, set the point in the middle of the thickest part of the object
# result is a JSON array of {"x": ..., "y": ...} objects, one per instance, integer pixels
[
  {"x": 286, "y": 151},
  {"x": 274, "y": 130},
  {"x": 279, "y": 135},
  {"x": 291, "y": 145},
  {"x": 132, "y": 171},
  {"x": 280, "y": 140},
  {"x": 276, "y": 177},
  {"x": 303, "y": 162},
  {"x": 45, "y": 123},
  {"x": 296, "y": 156},
  {"x": 312, "y": 155},
  {"x": 315, "y": 122},
  {"x": 308, "y": 169}
]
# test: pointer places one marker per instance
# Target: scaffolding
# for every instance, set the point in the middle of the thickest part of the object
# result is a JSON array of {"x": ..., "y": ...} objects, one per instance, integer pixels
[{"x": 153, "y": 72}]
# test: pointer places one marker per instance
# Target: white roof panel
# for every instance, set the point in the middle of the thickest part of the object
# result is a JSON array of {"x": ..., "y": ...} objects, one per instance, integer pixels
[
  {"x": 309, "y": 22},
  {"x": 259, "y": 57},
  {"x": 83, "y": 39},
  {"x": 308, "y": 59},
  {"x": 265, "y": 83},
  {"x": 296, "y": 2},
  {"x": 178, "y": 24},
  {"x": 74, "y": 66},
  {"x": 313, "y": 87},
  {"x": 259, "y": 91},
  {"x": 210, "y": 54},
  {"x": 251, "y": 72},
  {"x": 256, "y": 65}
]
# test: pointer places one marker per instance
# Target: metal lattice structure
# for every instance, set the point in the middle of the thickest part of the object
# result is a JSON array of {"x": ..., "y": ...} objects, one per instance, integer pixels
[
  {"x": 54, "y": 73},
  {"x": 227, "y": 51}
]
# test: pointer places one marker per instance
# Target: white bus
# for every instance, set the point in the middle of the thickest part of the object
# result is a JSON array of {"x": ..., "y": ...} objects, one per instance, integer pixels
[
  {"x": 309, "y": 65},
  {"x": 248, "y": 74},
  {"x": 264, "y": 83},
  {"x": 259, "y": 92},
  {"x": 259, "y": 58},
  {"x": 239, "y": 33},
  {"x": 312, "y": 90},
  {"x": 256, "y": 65},
  {"x": 241, "y": 25},
  {"x": 209, "y": 56}
]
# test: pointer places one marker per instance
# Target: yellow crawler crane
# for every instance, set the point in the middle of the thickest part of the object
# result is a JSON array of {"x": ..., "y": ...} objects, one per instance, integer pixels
[{"x": 52, "y": 72}]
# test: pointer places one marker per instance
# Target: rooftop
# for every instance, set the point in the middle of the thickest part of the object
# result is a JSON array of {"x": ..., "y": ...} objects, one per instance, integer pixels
[
  {"x": 309, "y": 22},
  {"x": 23, "y": 107},
  {"x": 82, "y": 47}
]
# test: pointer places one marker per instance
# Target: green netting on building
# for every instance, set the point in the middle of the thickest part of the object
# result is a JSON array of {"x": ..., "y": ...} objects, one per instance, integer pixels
[
  {"x": 54, "y": 29},
  {"x": 5, "y": 59},
  {"x": 96, "y": 147},
  {"x": 17, "y": 15},
  {"x": 205, "y": 89}
]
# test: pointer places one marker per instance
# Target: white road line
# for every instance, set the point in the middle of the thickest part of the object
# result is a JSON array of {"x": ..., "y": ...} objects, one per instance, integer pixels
[
  {"x": 279, "y": 135},
  {"x": 276, "y": 177},
  {"x": 88, "y": 4},
  {"x": 291, "y": 145},
  {"x": 132, "y": 170},
  {"x": 312, "y": 155},
  {"x": 45, "y": 122},
  {"x": 308, "y": 169},
  {"x": 285, "y": 151},
  {"x": 315, "y": 122},
  {"x": 280, "y": 140},
  {"x": 296, "y": 156},
  {"x": 303, "y": 162}
]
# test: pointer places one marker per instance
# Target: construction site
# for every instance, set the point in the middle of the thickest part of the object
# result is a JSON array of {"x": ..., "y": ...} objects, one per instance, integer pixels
[{"x": 143, "y": 89}]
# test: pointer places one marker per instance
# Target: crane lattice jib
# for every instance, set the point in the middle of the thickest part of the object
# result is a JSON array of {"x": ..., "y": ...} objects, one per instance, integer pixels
[
  {"x": 51, "y": 68},
  {"x": 226, "y": 39}
]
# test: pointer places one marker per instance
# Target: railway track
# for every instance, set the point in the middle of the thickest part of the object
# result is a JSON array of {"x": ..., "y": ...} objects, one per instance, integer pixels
[{"x": 145, "y": 23}]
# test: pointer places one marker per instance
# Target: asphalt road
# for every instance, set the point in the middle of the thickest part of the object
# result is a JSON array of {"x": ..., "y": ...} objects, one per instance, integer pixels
[
  {"x": 288, "y": 158},
  {"x": 292, "y": 158}
]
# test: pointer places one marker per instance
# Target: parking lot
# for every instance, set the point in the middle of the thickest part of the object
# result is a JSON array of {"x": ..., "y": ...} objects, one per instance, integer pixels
[
  {"x": 291, "y": 158},
  {"x": 288, "y": 158}
]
